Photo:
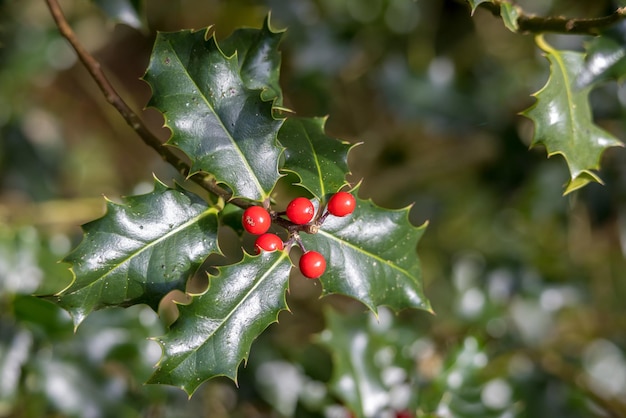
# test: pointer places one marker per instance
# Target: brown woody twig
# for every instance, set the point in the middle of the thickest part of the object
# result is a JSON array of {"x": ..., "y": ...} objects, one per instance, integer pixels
[
  {"x": 95, "y": 70},
  {"x": 537, "y": 24}
]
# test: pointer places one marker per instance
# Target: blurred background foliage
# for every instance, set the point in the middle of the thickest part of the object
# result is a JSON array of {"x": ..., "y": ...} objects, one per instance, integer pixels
[{"x": 528, "y": 286}]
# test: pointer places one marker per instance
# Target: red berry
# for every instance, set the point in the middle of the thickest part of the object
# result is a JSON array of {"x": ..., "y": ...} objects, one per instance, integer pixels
[
  {"x": 300, "y": 211},
  {"x": 312, "y": 264},
  {"x": 256, "y": 220},
  {"x": 268, "y": 242},
  {"x": 341, "y": 204}
]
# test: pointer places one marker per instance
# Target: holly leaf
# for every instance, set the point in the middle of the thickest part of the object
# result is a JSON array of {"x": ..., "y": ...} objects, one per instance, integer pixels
[
  {"x": 371, "y": 257},
  {"x": 139, "y": 251},
  {"x": 123, "y": 11},
  {"x": 475, "y": 3},
  {"x": 224, "y": 126},
  {"x": 213, "y": 334},
  {"x": 356, "y": 378},
  {"x": 606, "y": 60},
  {"x": 563, "y": 119},
  {"x": 320, "y": 161},
  {"x": 259, "y": 59},
  {"x": 467, "y": 390},
  {"x": 510, "y": 13}
]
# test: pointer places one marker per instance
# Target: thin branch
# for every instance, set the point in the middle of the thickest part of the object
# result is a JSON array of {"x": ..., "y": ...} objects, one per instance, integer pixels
[
  {"x": 580, "y": 26},
  {"x": 95, "y": 70}
]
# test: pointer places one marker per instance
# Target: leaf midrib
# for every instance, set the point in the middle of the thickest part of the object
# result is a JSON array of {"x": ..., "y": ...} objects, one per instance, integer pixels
[
  {"x": 151, "y": 244},
  {"x": 223, "y": 321},
  {"x": 201, "y": 93},
  {"x": 366, "y": 253},
  {"x": 569, "y": 94},
  {"x": 315, "y": 160}
]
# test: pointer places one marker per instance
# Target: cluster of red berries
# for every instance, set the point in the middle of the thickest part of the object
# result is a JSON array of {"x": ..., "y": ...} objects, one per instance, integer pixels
[{"x": 300, "y": 211}]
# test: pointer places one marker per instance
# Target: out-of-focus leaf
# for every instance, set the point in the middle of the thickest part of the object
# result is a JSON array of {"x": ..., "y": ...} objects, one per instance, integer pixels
[
  {"x": 124, "y": 11},
  {"x": 606, "y": 60},
  {"x": 139, "y": 251},
  {"x": 475, "y": 3},
  {"x": 213, "y": 334},
  {"x": 42, "y": 316},
  {"x": 320, "y": 161},
  {"x": 371, "y": 256},
  {"x": 356, "y": 377},
  {"x": 15, "y": 351},
  {"x": 563, "y": 119},
  {"x": 259, "y": 59},
  {"x": 29, "y": 261},
  {"x": 224, "y": 126},
  {"x": 510, "y": 14},
  {"x": 465, "y": 393}
]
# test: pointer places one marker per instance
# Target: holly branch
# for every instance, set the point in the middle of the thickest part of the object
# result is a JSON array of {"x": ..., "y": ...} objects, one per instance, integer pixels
[
  {"x": 94, "y": 68},
  {"x": 531, "y": 23}
]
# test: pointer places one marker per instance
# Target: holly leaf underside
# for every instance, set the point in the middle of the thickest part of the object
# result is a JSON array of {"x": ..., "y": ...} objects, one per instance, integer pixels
[
  {"x": 509, "y": 14},
  {"x": 258, "y": 58},
  {"x": 224, "y": 127},
  {"x": 475, "y": 3},
  {"x": 563, "y": 119},
  {"x": 606, "y": 60},
  {"x": 320, "y": 161},
  {"x": 356, "y": 378},
  {"x": 139, "y": 251},
  {"x": 213, "y": 334},
  {"x": 123, "y": 11},
  {"x": 371, "y": 257}
]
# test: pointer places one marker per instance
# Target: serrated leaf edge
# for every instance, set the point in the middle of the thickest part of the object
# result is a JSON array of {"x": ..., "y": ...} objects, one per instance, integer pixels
[
  {"x": 321, "y": 121},
  {"x": 245, "y": 357},
  {"x": 420, "y": 229},
  {"x": 576, "y": 182},
  {"x": 159, "y": 186},
  {"x": 208, "y": 36}
]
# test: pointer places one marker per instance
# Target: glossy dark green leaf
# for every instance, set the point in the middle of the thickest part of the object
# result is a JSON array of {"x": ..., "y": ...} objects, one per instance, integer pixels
[
  {"x": 213, "y": 334},
  {"x": 371, "y": 256},
  {"x": 606, "y": 60},
  {"x": 259, "y": 59},
  {"x": 139, "y": 251},
  {"x": 223, "y": 125},
  {"x": 320, "y": 161},
  {"x": 123, "y": 11},
  {"x": 563, "y": 119}
]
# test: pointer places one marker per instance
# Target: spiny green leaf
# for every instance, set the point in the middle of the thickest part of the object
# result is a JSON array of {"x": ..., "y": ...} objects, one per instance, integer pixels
[
  {"x": 371, "y": 257},
  {"x": 510, "y": 14},
  {"x": 224, "y": 127},
  {"x": 606, "y": 60},
  {"x": 258, "y": 58},
  {"x": 139, "y": 251},
  {"x": 320, "y": 161},
  {"x": 475, "y": 3},
  {"x": 213, "y": 334},
  {"x": 563, "y": 119}
]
